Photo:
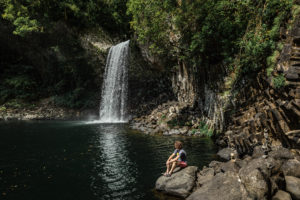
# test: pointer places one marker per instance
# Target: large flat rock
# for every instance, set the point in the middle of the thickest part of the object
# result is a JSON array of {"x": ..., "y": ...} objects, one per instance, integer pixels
[
  {"x": 180, "y": 183},
  {"x": 225, "y": 186}
]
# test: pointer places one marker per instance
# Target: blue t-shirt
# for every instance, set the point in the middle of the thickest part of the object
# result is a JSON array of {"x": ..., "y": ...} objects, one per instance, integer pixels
[{"x": 181, "y": 153}]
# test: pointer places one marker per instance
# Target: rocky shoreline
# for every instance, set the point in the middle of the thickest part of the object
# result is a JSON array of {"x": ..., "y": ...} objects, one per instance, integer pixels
[
  {"x": 172, "y": 118},
  {"x": 273, "y": 174},
  {"x": 46, "y": 113}
]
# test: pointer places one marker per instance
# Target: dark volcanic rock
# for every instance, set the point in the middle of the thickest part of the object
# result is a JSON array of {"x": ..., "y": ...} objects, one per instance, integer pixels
[
  {"x": 225, "y": 186},
  {"x": 179, "y": 184},
  {"x": 293, "y": 186}
]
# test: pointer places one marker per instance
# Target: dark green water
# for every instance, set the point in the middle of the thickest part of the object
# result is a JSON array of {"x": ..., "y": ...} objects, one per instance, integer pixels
[{"x": 79, "y": 161}]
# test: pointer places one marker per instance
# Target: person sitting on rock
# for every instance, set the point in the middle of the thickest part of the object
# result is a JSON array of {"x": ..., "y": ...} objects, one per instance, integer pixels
[{"x": 179, "y": 160}]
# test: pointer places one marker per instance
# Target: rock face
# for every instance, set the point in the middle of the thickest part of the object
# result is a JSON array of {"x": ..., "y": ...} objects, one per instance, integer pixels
[
  {"x": 183, "y": 84},
  {"x": 180, "y": 183},
  {"x": 148, "y": 84},
  {"x": 226, "y": 186},
  {"x": 261, "y": 107},
  {"x": 170, "y": 118}
]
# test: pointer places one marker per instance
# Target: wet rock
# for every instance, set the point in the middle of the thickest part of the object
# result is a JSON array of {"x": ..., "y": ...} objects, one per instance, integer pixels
[
  {"x": 225, "y": 186},
  {"x": 291, "y": 168},
  {"x": 180, "y": 183},
  {"x": 293, "y": 186},
  {"x": 282, "y": 195}
]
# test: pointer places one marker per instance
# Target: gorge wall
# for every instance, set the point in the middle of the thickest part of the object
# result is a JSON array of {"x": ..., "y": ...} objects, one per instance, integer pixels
[
  {"x": 261, "y": 108},
  {"x": 244, "y": 112}
]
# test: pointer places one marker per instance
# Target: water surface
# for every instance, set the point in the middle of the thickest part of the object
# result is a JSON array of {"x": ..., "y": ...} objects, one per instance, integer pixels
[{"x": 80, "y": 161}]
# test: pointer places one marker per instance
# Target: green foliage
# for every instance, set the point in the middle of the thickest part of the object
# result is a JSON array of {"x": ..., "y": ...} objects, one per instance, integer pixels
[
  {"x": 204, "y": 130},
  {"x": 240, "y": 34},
  {"x": 271, "y": 61},
  {"x": 18, "y": 84},
  {"x": 18, "y": 14},
  {"x": 2, "y": 108},
  {"x": 279, "y": 81},
  {"x": 78, "y": 98},
  {"x": 36, "y": 15}
]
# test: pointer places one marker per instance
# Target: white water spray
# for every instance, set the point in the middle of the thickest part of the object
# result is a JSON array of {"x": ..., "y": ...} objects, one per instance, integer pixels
[{"x": 115, "y": 85}]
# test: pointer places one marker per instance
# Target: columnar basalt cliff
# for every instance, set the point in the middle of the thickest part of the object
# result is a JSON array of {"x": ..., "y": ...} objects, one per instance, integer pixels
[{"x": 262, "y": 108}]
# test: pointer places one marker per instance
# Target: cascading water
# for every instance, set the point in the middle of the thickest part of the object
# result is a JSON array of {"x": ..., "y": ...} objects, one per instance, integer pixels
[{"x": 115, "y": 85}]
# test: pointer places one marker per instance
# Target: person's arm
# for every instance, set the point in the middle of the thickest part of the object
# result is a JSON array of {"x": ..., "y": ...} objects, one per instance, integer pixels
[
  {"x": 175, "y": 159},
  {"x": 171, "y": 156}
]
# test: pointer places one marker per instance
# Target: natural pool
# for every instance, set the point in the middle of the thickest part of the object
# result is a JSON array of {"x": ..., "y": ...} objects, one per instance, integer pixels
[{"x": 81, "y": 161}]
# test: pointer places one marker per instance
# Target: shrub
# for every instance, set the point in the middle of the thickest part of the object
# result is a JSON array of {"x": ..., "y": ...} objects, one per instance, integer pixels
[{"x": 279, "y": 81}]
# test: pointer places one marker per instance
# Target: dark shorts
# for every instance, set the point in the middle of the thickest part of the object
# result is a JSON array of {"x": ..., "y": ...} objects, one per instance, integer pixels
[{"x": 182, "y": 164}]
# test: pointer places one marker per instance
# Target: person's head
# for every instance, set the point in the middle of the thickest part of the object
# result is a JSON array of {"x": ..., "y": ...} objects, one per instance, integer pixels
[{"x": 178, "y": 145}]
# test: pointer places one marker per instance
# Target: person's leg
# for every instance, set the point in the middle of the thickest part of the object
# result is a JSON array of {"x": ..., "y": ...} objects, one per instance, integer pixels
[
  {"x": 168, "y": 165},
  {"x": 174, "y": 164}
]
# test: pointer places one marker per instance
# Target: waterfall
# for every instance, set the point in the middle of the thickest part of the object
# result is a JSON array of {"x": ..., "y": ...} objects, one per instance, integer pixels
[{"x": 115, "y": 84}]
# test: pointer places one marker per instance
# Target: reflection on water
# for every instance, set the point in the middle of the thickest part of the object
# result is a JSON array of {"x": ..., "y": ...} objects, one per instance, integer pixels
[
  {"x": 76, "y": 160},
  {"x": 113, "y": 165}
]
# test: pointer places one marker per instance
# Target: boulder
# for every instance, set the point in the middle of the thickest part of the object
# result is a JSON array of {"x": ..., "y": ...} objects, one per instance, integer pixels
[
  {"x": 174, "y": 132},
  {"x": 258, "y": 151},
  {"x": 255, "y": 173},
  {"x": 225, "y": 186},
  {"x": 226, "y": 153},
  {"x": 216, "y": 165},
  {"x": 205, "y": 175},
  {"x": 282, "y": 195},
  {"x": 293, "y": 186},
  {"x": 180, "y": 183},
  {"x": 291, "y": 168},
  {"x": 255, "y": 184},
  {"x": 230, "y": 166},
  {"x": 281, "y": 153}
]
